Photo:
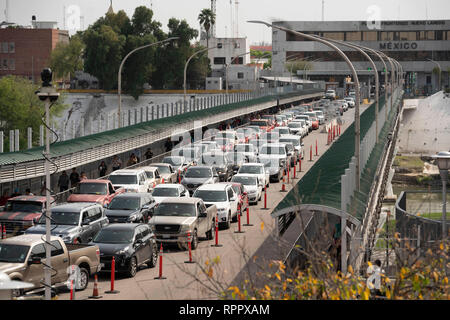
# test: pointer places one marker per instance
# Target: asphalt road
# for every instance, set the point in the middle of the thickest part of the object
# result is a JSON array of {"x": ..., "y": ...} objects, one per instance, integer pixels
[{"x": 215, "y": 267}]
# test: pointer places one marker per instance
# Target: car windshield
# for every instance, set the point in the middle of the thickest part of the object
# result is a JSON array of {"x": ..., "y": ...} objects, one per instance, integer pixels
[
  {"x": 273, "y": 150},
  {"x": 175, "y": 209},
  {"x": 123, "y": 179},
  {"x": 235, "y": 157},
  {"x": 259, "y": 123},
  {"x": 243, "y": 148},
  {"x": 213, "y": 160},
  {"x": 23, "y": 206},
  {"x": 165, "y": 192},
  {"x": 211, "y": 195},
  {"x": 62, "y": 218},
  {"x": 188, "y": 153},
  {"x": 149, "y": 174},
  {"x": 114, "y": 236},
  {"x": 221, "y": 141},
  {"x": 251, "y": 169},
  {"x": 124, "y": 203},
  {"x": 175, "y": 162},
  {"x": 92, "y": 188},
  {"x": 163, "y": 169},
  {"x": 283, "y": 131},
  {"x": 13, "y": 253},
  {"x": 271, "y": 136},
  {"x": 193, "y": 172},
  {"x": 246, "y": 181},
  {"x": 295, "y": 125},
  {"x": 294, "y": 142}
]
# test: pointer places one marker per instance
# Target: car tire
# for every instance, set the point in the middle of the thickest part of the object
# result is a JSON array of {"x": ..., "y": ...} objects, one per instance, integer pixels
[
  {"x": 234, "y": 219},
  {"x": 154, "y": 258},
  {"x": 132, "y": 267},
  {"x": 194, "y": 243},
  {"x": 210, "y": 233},
  {"x": 228, "y": 223},
  {"x": 84, "y": 279}
]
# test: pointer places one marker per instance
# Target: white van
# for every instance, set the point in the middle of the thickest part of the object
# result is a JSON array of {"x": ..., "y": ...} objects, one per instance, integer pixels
[{"x": 132, "y": 180}]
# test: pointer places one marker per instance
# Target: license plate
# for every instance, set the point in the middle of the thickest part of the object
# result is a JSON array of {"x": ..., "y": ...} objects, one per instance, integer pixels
[{"x": 166, "y": 236}]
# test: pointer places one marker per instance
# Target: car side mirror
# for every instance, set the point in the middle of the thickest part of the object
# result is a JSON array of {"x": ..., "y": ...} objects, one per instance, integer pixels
[
  {"x": 302, "y": 144},
  {"x": 34, "y": 260},
  {"x": 105, "y": 206},
  {"x": 203, "y": 214},
  {"x": 85, "y": 222},
  {"x": 233, "y": 199},
  {"x": 138, "y": 242}
]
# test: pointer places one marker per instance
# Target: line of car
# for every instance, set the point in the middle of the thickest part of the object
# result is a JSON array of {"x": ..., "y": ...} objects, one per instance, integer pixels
[{"x": 175, "y": 201}]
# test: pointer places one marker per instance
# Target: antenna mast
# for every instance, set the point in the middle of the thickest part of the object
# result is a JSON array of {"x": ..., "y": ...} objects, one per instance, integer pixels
[{"x": 213, "y": 27}]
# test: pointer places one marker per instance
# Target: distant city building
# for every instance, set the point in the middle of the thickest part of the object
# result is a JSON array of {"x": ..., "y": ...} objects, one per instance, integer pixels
[
  {"x": 227, "y": 49},
  {"x": 411, "y": 43},
  {"x": 26, "y": 51}
]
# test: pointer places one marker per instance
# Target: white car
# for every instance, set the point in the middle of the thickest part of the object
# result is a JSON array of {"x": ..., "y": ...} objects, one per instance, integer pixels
[
  {"x": 252, "y": 186},
  {"x": 296, "y": 142},
  {"x": 307, "y": 120},
  {"x": 350, "y": 101},
  {"x": 270, "y": 136},
  {"x": 225, "y": 199},
  {"x": 132, "y": 180},
  {"x": 168, "y": 190},
  {"x": 282, "y": 131},
  {"x": 331, "y": 94},
  {"x": 179, "y": 163},
  {"x": 299, "y": 127},
  {"x": 257, "y": 170},
  {"x": 153, "y": 176},
  {"x": 246, "y": 148},
  {"x": 166, "y": 171},
  {"x": 275, "y": 158}
]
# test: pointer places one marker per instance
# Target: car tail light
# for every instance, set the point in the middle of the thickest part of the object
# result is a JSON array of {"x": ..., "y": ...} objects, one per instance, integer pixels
[
  {"x": 75, "y": 241},
  {"x": 97, "y": 252}
]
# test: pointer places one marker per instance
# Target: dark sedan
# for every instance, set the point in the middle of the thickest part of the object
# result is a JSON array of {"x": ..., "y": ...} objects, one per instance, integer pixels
[
  {"x": 130, "y": 207},
  {"x": 131, "y": 245}
]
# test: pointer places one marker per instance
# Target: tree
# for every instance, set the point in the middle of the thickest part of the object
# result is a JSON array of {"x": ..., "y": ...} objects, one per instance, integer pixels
[
  {"x": 20, "y": 108},
  {"x": 207, "y": 18},
  {"x": 258, "y": 54},
  {"x": 67, "y": 58},
  {"x": 171, "y": 59},
  {"x": 103, "y": 54},
  {"x": 294, "y": 66}
]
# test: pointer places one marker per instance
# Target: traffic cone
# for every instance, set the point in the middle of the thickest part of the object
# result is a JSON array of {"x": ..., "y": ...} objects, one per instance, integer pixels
[
  {"x": 162, "y": 181},
  {"x": 283, "y": 187},
  {"x": 95, "y": 294}
]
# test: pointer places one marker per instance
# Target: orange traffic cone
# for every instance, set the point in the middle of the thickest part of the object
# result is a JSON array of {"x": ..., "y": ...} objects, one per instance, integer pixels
[{"x": 95, "y": 294}]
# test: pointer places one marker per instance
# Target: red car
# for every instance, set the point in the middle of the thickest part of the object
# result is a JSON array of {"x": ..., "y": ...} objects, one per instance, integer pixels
[
  {"x": 271, "y": 118},
  {"x": 21, "y": 212},
  {"x": 263, "y": 124},
  {"x": 100, "y": 191},
  {"x": 242, "y": 195}
]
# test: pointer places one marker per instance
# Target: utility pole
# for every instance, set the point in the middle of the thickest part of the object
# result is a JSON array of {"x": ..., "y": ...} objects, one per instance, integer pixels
[
  {"x": 323, "y": 10},
  {"x": 49, "y": 95}
]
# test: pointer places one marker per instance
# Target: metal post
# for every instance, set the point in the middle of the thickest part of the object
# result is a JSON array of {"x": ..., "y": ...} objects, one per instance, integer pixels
[
  {"x": 157, "y": 111},
  {"x": 1, "y": 141},
  {"x": 30, "y": 137},
  {"x": 16, "y": 140},
  {"x": 343, "y": 245},
  {"x": 444, "y": 178},
  {"x": 153, "y": 112},
  {"x": 47, "y": 270},
  {"x": 146, "y": 113}
]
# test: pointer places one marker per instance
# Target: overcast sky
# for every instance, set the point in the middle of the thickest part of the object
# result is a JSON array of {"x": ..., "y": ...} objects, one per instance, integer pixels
[{"x": 20, "y": 11}]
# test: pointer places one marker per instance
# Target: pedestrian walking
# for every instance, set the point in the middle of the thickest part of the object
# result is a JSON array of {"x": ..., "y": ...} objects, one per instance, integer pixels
[
  {"x": 4, "y": 198},
  {"x": 15, "y": 193},
  {"x": 133, "y": 160},
  {"x": 148, "y": 154},
  {"x": 74, "y": 178},
  {"x": 83, "y": 176},
  {"x": 63, "y": 182},
  {"x": 28, "y": 192},
  {"x": 102, "y": 168},
  {"x": 116, "y": 163},
  {"x": 374, "y": 272}
]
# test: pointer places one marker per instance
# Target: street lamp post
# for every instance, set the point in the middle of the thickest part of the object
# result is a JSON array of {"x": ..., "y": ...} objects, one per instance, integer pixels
[
  {"x": 375, "y": 73},
  {"x": 355, "y": 76},
  {"x": 185, "y": 70},
  {"x": 440, "y": 72},
  {"x": 119, "y": 77},
  {"x": 443, "y": 163}
]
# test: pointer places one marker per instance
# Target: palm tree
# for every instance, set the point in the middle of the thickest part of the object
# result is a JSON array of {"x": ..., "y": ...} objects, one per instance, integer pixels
[{"x": 207, "y": 18}]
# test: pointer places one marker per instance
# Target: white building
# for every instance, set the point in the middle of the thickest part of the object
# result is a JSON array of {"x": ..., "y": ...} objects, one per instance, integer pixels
[{"x": 227, "y": 50}]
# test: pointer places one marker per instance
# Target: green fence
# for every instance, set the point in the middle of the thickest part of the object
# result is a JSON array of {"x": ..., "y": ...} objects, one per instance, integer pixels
[
  {"x": 79, "y": 144},
  {"x": 322, "y": 183}
]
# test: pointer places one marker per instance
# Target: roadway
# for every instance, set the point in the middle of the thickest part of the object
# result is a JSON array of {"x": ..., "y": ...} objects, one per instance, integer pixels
[{"x": 190, "y": 281}]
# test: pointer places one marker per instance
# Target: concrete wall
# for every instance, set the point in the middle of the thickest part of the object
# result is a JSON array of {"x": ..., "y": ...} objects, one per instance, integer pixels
[{"x": 425, "y": 125}]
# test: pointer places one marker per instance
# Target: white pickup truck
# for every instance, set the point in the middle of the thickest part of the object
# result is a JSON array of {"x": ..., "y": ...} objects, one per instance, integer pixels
[{"x": 175, "y": 218}]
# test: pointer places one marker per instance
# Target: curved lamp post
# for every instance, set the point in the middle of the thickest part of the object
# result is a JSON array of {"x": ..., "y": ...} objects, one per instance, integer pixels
[
  {"x": 443, "y": 163},
  {"x": 375, "y": 73},
  {"x": 355, "y": 76},
  {"x": 440, "y": 71},
  {"x": 119, "y": 77},
  {"x": 185, "y": 70}
]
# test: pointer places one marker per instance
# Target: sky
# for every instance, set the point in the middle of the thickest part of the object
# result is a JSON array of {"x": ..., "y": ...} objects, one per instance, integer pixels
[{"x": 20, "y": 12}]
